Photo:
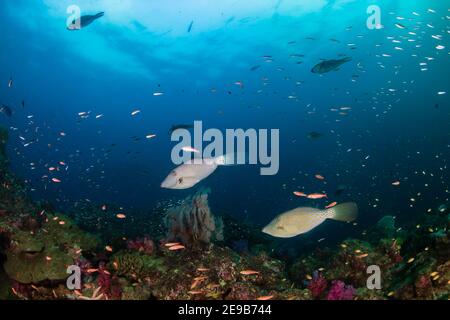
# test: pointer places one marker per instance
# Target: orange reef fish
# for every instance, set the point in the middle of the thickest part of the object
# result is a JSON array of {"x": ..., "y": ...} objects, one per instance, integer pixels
[
  {"x": 316, "y": 196},
  {"x": 177, "y": 247},
  {"x": 264, "y": 298},
  {"x": 249, "y": 272},
  {"x": 331, "y": 205}
]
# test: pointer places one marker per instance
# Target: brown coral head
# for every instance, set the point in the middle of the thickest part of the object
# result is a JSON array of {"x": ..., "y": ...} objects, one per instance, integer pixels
[
  {"x": 29, "y": 223},
  {"x": 31, "y": 254}
]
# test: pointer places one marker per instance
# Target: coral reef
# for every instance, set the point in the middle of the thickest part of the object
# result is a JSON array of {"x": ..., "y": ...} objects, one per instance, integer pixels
[
  {"x": 317, "y": 285},
  {"x": 135, "y": 265},
  {"x": 209, "y": 258},
  {"x": 45, "y": 254},
  {"x": 215, "y": 273},
  {"x": 144, "y": 245},
  {"x": 340, "y": 291},
  {"x": 36, "y": 244},
  {"x": 3, "y": 141},
  {"x": 192, "y": 221},
  {"x": 414, "y": 264}
]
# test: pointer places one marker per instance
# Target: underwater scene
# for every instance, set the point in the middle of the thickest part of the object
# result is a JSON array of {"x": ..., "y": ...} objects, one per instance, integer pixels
[{"x": 224, "y": 150}]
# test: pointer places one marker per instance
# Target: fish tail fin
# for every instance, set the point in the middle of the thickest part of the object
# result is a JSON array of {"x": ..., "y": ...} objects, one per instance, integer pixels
[
  {"x": 99, "y": 15},
  {"x": 231, "y": 159},
  {"x": 346, "y": 212},
  {"x": 347, "y": 59}
]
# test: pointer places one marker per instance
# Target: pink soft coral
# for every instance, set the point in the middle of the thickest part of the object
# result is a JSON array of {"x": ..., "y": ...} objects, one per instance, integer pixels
[{"x": 340, "y": 291}]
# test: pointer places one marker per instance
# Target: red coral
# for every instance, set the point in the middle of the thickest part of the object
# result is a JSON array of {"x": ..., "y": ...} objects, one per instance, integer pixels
[
  {"x": 423, "y": 282},
  {"x": 110, "y": 286},
  {"x": 144, "y": 245},
  {"x": 21, "y": 290},
  {"x": 317, "y": 285},
  {"x": 340, "y": 291}
]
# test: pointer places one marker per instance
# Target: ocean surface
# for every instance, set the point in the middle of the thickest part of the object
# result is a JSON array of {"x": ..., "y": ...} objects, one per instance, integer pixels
[{"x": 383, "y": 118}]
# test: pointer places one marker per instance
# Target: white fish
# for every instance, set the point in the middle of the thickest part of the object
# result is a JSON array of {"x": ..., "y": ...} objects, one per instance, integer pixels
[
  {"x": 303, "y": 219},
  {"x": 192, "y": 172},
  {"x": 190, "y": 149}
]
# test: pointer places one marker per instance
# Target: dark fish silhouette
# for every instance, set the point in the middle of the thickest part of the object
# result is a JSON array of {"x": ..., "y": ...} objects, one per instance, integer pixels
[
  {"x": 6, "y": 110},
  {"x": 314, "y": 135},
  {"x": 329, "y": 65},
  {"x": 180, "y": 126},
  {"x": 229, "y": 20},
  {"x": 190, "y": 26},
  {"x": 84, "y": 21},
  {"x": 255, "y": 68}
]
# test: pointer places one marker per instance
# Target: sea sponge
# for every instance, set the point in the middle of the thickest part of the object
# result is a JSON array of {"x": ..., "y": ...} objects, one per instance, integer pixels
[{"x": 192, "y": 222}]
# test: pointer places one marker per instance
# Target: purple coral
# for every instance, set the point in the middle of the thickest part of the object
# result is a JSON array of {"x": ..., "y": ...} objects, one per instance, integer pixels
[
  {"x": 317, "y": 285},
  {"x": 340, "y": 291}
]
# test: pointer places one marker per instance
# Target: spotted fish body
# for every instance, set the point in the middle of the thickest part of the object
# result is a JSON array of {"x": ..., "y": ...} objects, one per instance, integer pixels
[{"x": 304, "y": 219}]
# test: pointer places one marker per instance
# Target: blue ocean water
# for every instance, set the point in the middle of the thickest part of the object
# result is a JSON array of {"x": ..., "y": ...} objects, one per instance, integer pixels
[{"x": 396, "y": 87}]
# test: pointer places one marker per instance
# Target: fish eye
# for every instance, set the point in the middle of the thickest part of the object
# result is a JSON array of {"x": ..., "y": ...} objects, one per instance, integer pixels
[
  {"x": 280, "y": 228},
  {"x": 180, "y": 181}
]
